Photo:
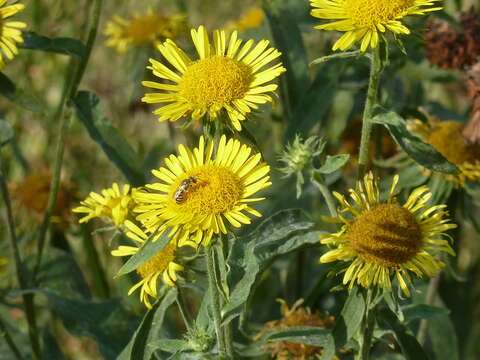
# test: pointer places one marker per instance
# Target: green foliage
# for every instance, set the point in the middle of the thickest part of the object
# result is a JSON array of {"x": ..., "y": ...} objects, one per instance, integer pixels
[
  {"x": 17, "y": 96},
  {"x": 62, "y": 45},
  {"x": 117, "y": 149},
  {"x": 6, "y": 132}
]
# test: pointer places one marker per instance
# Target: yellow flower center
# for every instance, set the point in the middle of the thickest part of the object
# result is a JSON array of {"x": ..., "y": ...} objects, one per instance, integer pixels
[
  {"x": 387, "y": 234},
  {"x": 369, "y": 13},
  {"x": 146, "y": 28},
  {"x": 158, "y": 263},
  {"x": 217, "y": 190},
  {"x": 215, "y": 80},
  {"x": 447, "y": 138}
]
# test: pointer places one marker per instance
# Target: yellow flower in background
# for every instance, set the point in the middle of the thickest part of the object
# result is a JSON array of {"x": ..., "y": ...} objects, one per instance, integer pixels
[
  {"x": 379, "y": 239},
  {"x": 148, "y": 28},
  {"x": 113, "y": 204},
  {"x": 226, "y": 76},
  {"x": 252, "y": 19},
  {"x": 161, "y": 265},
  {"x": 362, "y": 20},
  {"x": 446, "y": 137},
  {"x": 9, "y": 31},
  {"x": 201, "y": 195}
]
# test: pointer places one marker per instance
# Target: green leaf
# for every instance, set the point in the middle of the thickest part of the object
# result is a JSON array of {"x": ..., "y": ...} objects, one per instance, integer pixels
[
  {"x": 288, "y": 40},
  {"x": 141, "y": 345},
  {"x": 309, "y": 335},
  {"x": 107, "y": 322},
  {"x": 422, "y": 311},
  {"x": 18, "y": 96},
  {"x": 316, "y": 101},
  {"x": 333, "y": 163},
  {"x": 280, "y": 234},
  {"x": 168, "y": 345},
  {"x": 443, "y": 336},
  {"x": 6, "y": 132},
  {"x": 118, "y": 150},
  {"x": 62, "y": 45},
  {"x": 421, "y": 152},
  {"x": 50, "y": 348},
  {"x": 348, "y": 322},
  {"x": 148, "y": 250},
  {"x": 407, "y": 341}
]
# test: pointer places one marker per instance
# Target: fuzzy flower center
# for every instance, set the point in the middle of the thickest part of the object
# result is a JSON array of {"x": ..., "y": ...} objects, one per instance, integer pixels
[
  {"x": 215, "y": 80},
  {"x": 217, "y": 190},
  {"x": 158, "y": 263},
  {"x": 369, "y": 13},
  {"x": 387, "y": 234},
  {"x": 146, "y": 28},
  {"x": 447, "y": 138}
]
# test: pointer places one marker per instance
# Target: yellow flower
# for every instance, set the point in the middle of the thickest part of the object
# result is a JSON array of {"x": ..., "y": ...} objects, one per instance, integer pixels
[
  {"x": 446, "y": 137},
  {"x": 252, "y": 19},
  {"x": 162, "y": 264},
  {"x": 227, "y": 76},
  {"x": 9, "y": 31},
  {"x": 197, "y": 193},
  {"x": 113, "y": 204},
  {"x": 363, "y": 19},
  {"x": 382, "y": 238},
  {"x": 148, "y": 28}
]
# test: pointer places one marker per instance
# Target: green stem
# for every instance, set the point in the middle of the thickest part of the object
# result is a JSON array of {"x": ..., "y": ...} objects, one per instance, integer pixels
[
  {"x": 183, "y": 309},
  {"x": 212, "y": 285},
  {"x": 368, "y": 327},
  {"x": 74, "y": 76},
  {"x": 319, "y": 182},
  {"x": 20, "y": 271},
  {"x": 375, "y": 72},
  {"x": 8, "y": 339},
  {"x": 429, "y": 299}
]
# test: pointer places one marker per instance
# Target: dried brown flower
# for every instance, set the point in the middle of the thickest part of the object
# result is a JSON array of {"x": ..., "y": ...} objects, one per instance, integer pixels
[
  {"x": 296, "y": 316},
  {"x": 449, "y": 48}
]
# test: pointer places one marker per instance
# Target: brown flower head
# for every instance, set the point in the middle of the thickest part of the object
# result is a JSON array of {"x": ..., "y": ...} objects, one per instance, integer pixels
[{"x": 296, "y": 316}]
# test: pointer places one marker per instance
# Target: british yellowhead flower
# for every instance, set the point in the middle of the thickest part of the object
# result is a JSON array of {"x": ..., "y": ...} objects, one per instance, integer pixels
[
  {"x": 140, "y": 29},
  {"x": 113, "y": 204},
  {"x": 202, "y": 194},
  {"x": 161, "y": 265},
  {"x": 227, "y": 76},
  {"x": 252, "y": 19},
  {"x": 362, "y": 20},
  {"x": 446, "y": 137},
  {"x": 10, "y": 33},
  {"x": 381, "y": 239}
]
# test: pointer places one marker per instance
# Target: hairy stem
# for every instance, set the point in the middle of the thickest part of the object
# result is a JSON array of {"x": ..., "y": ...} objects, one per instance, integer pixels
[
  {"x": 375, "y": 72},
  {"x": 74, "y": 76},
  {"x": 20, "y": 271},
  {"x": 368, "y": 327},
  {"x": 319, "y": 182},
  {"x": 183, "y": 308},
  {"x": 217, "y": 319}
]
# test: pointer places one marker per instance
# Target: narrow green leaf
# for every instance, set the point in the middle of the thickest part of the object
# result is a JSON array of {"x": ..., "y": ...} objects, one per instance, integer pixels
[
  {"x": 168, "y": 345},
  {"x": 422, "y": 311},
  {"x": 6, "y": 132},
  {"x": 18, "y": 96},
  {"x": 309, "y": 335},
  {"x": 349, "y": 320},
  {"x": 118, "y": 150},
  {"x": 280, "y": 234},
  {"x": 62, "y": 45},
  {"x": 407, "y": 341},
  {"x": 333, "y": 163},
  {"x": 421, "y": 152},
  {"x": 288, "y": 40},
  {"x": 146, "y": 252},
  {"x": 141, "y": 344}
]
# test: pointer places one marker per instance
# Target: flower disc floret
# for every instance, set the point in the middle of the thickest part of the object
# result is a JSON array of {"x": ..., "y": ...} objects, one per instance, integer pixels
[
  {"x": 228, "y": 76},
  {"x": 199, "y": 192},
  {"x": 379, "y": 239},
  {"x": 362, "y": 20}
]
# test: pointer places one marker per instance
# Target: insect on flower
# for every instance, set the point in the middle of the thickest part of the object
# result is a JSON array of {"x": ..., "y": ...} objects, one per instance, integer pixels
[{"x": 179, "y": 194}]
